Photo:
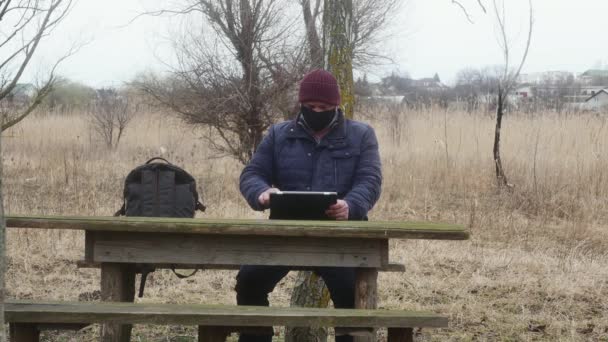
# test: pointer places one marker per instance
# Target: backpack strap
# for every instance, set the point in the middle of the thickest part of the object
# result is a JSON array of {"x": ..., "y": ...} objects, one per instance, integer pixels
[
  {"x": 200, "y": 206},
  {"x": 182, "y": 276},
  {"x": 122, "y": 210},
  {"x": 158, "y": 158},
  {"x": 145, "y": 270}
]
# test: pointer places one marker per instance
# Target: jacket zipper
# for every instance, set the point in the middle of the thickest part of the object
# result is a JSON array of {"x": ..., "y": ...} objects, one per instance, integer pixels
[
  {"x": 335, "y": 172},
  {"x": 156, "y": 192}
]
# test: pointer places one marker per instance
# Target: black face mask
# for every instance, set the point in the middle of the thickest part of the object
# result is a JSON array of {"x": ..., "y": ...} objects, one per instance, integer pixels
[{"x": 317, "y": 121}]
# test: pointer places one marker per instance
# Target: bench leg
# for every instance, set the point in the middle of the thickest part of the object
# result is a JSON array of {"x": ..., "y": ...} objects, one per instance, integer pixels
[
  {"x": 24, "y": 332},
  {"x": 212, "y": 334},
  {"x": 366, "y": 294},
  {"x": 400, "y": 335},
  {"x": 117, "y": 285}
]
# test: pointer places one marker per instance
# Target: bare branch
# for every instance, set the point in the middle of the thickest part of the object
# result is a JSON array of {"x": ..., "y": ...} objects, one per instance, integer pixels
[
  {"x": 48, "y": 22},
  {"x": 194, "y": 7},
  {"x": 40, "y": 18},
  {"x": 513, "y": 78},
  {"x": 464, "y": 10},
  {"x": 483, "y": 8}
]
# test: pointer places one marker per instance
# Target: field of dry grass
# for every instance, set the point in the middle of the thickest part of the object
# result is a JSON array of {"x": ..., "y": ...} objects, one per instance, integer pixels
[{"x": 535, "y": 269}]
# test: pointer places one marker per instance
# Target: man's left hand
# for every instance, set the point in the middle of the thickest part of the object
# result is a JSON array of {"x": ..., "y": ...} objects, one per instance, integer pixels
[{"x": 338, "y": 211}]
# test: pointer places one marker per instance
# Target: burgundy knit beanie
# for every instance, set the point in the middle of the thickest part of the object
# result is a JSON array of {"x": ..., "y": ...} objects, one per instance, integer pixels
[{"x": 320, "y": 85}]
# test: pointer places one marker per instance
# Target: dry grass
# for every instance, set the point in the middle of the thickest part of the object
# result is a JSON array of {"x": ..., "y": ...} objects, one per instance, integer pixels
[{"x": 535, "y": 269}]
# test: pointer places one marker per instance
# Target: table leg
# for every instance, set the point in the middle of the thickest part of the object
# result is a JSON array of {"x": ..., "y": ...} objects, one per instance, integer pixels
[
  {"x": 117, "y": 285},
  {"x": 400, "y": 335},
  {"x": 24, "y": 332},
  {"x": 366, "y": 294}
]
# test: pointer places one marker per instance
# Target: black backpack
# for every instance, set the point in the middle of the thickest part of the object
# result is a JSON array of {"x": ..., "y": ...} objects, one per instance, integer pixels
[{"x": 160, "y": 190}]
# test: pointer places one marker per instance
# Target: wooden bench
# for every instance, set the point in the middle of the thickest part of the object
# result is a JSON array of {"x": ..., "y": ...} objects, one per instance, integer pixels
[{"x": 215, "y": 322}]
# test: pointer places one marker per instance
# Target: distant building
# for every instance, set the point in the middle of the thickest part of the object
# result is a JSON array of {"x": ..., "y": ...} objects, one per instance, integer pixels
[
  {"x": 545, "y": 77},
  {"x": 598, "y": 101},
  {"x": 429, "y": 84},
  {"x": 524, "y": 91}
]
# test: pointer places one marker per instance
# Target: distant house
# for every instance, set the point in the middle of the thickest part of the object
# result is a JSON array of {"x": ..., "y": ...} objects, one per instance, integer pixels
[
  {"x": 545, "y": 76},
  {"x": 590, "y": 90},
  {"x": 598, "y": 101},
  {"x": 524, "y": 91},
  {"x": 429, "y": 84}
]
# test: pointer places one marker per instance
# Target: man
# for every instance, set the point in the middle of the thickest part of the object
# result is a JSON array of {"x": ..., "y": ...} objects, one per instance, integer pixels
[{"x": 319, "y": 150}]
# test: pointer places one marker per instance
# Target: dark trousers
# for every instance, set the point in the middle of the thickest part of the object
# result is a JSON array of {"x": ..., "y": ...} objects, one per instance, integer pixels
[{"x": 254, "y": 283}]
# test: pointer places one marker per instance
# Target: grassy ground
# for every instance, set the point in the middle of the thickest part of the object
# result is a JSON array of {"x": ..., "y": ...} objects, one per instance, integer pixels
[{"x": 536, "y": 268}]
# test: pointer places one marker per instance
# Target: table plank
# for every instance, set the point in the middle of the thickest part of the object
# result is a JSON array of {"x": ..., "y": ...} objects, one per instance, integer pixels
[
  {"x": 390, "y": 267},
  {"x": 214, "y": 315},
  {"x": 251, "y": 227},
  {"x": 121, "y": 247}
]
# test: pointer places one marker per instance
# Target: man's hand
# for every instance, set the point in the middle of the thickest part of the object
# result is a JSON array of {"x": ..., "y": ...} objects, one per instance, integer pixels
[
  {"x": 338, "y": 211},
  {"x": 264, "y": 197}
]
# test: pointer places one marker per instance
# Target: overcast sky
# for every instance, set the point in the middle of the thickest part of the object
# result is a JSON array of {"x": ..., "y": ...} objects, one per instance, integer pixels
[{"x": 428, "y": 36}]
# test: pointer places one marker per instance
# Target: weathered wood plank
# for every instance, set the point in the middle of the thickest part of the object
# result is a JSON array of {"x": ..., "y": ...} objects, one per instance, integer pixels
[
  {"x": 117, "y": 285},
  {"x": 23, "y": 332},
  {"x": 384, "y": 255},
  {"x": 61, "y": 326},
  {"x": 400, "y": 335},
  {"x": 213, "y": 315},
  {"x": 391, "y": 267},
  {"x": 126, "y": 247},
  {"x": 366, "y": 288},
  {"x": 355, "y": 229},
  {"x": 366, "y": 294}
]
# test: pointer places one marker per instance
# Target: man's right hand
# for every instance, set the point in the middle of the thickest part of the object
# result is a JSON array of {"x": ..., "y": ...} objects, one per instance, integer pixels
[{"x": 264, "y": 197}]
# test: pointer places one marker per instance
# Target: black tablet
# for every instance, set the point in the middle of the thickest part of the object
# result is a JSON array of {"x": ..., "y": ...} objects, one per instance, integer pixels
[{"x": 301, "y": 205}]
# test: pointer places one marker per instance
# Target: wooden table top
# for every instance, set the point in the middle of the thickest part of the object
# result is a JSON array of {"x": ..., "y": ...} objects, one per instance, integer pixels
[{"x": 256, "y": 227}]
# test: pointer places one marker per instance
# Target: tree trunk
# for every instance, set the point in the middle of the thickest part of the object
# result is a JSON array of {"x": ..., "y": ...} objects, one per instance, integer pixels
[
  {"x": 338, "y": 47},
  {"x": 310, "y": 291},
  {"x": 501, "y": 178},
  {"x": 2, "y": 251},
  {"x": 312, "y": 36}
]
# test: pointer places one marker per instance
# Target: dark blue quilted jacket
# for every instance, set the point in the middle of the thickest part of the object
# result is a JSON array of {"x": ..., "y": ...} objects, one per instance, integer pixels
[{"x": 346, "y": 161}]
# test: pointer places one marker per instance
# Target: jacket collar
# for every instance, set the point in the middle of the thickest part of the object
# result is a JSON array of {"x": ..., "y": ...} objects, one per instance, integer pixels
[{"x": 298, "y": 129}]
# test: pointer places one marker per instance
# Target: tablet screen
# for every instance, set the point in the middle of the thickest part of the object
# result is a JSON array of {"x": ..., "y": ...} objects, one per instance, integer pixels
[{"x": 301, "y": 205}]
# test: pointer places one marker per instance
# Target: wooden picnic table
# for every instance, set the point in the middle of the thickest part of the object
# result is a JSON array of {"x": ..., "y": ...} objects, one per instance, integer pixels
[{"x": 119, "y": 244}]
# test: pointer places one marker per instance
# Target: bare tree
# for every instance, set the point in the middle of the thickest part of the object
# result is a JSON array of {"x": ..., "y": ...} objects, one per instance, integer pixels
[
  {"x": 507, "y": 80},
  {"x": 507, "y": 77},
  {"x": 367, "y": 29},
  {"x": 25, "y": 23},
  {"x": 2, "y": 254},
  {"x": 110, "y": 114},
  {"x": 239, "y": 81}
]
